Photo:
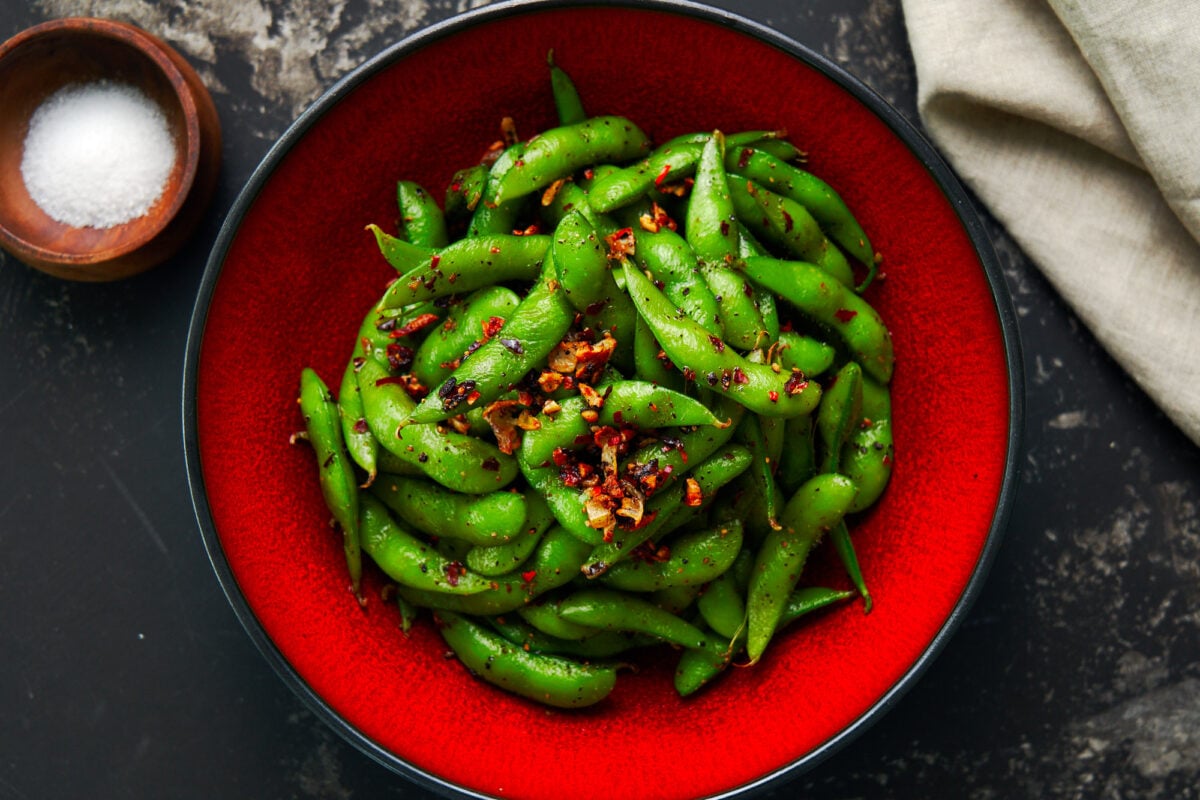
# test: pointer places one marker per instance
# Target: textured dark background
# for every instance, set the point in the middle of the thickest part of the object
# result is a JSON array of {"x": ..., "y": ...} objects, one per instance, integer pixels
[{"x": 124, "y": 673}]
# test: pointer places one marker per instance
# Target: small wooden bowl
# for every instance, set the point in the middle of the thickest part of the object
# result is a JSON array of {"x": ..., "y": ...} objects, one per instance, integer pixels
[{"x": 41, "y": 60}]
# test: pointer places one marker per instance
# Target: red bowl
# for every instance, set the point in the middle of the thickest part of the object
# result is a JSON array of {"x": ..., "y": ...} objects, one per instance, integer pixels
[{"x": 293, "y": 271}]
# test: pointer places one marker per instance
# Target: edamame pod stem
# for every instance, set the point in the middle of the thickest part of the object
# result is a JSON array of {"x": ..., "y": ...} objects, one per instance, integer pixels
[
  {"x": 558, "y": 152},
  {"x": 690, "y": 346},
  {"x": 696, "y": 558},
  {"x": 467, "y": 265},
  {"x": 840, "y": 536},
  {"x": 406, "y": 559},
  {"x": 339, "y": 488},
  {"x": 552, "y": 680},
  {"x": 788, "y": 225},
  {"x": 617, "y": 611},
  {"x": 536, "y": 326},
  {"x": 831, "y": 304},
  {"x": 815, "y": 508},
  {"x": 422, "y": 220},
  {"x": 486, "y": 519},
  {"x": 818, "y": 197}
]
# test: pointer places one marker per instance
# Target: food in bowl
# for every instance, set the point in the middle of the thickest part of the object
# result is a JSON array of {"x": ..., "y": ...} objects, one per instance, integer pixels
[{"x": 614, "y": 397}]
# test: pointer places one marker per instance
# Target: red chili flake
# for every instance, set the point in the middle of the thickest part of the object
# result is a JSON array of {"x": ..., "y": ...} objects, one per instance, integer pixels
[
  {"x": 399, "y": 357},
  {"x": 773, "y": 396},
  {"x": 620, "y": 244},
  {"x": 596, "y": 307},
  {"x": 491, "y": 464},
  {"x": 529, "y": 575},
  {"x": 512, "y": 345},
  {"x": 434, "y": 260},
  {"x": 454, "y": 571},
  {"x": 662, "y": 176},
  {"x": 744, "y": 157},
  {"x": 589, "y": 173},
  {"x": 717, "y": 343},
  {"x": 532, "y": 230},
  {"x": 414, "y": 325},
  {"x": 845, "y": 314},
  {"x": 560, "y": 457},
  {"x": 726, "y": 379},
  {"x": 787, "y": 220},
  {"x": 473, "y": 397},
  {"x": 795, "y": 384},
  {"x": 739, "y": 376},
  {"x": 492, "y": 326},
  {"x": 359, "y": 361},
  {"x": 724, "y": 227},
  {"x": 494, "y": 249},
  {"x": 786, "y": 327},
  {"x": 693, "y": 496},
  {"x": 360, "y": 425},
  {"x": 747, "y": 289},
  {"x": 689, "y": 374}
]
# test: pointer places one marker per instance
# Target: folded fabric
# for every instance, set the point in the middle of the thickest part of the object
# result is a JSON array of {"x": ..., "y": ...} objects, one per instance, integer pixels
[{"x": 1075, "y": 122}]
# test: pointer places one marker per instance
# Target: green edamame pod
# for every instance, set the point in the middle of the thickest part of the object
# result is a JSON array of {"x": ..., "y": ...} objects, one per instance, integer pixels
[
  {"x": 617, "y": 611},
  {"x": 422, "y": 220},
  {"x": 491, "y": 216},
  {"x": 558, "y": 152},
  {"x": 786, "y": 224},
  {"x": 406, "y": 559},
  {"x": 867, "y": 456},
  {"x": 467, "y": 265},
  {"x": 722, "y": 604},
  {"x": 446, "y": 345},
  {"x": 815, "y": 508},
  {"x": 602, "y": 644},
  {"x": 818, "y": 197},
  {"x": 671, "y": 260},
  {"x": 554, "y": 564},
  {"x": 638, "y": 403},
  {"x": 647, "y": 363},
  {"x": 400, "y": 253},
  {"x": 567, "y": 102},
  {"x": 761, "y": 470},
  {"x": 339, "y": 487},
  {"x": 456, "y": 461},
  {"x": 537, "y": 324},
  {"x": 690, "y": 346},
  {"x": 840, "y": 536},
  {"x": 487, "y": 519},
  {"x": 504, "y": 558},
  {"x": 798, "y": 462},
  {"x": 696, "y": 558},
  {"x": 552, "y": 680},
  {"x": 464, "y": 192},
  {"x": 544, "y": 617},
  {"x": 840, "y": 411},
  {"x": 697, "y": 668},
  {"x": 831, "y": 304},
  {"x": 360, "y": 444},
  {"x": 811, "y": 356}
]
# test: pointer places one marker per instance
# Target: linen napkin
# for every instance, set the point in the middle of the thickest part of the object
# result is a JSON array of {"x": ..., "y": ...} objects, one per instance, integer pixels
[{"x": 1077, "y": 123}]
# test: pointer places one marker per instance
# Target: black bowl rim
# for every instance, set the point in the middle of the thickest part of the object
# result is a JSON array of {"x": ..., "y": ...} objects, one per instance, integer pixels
[{"x": 917, "y": 143}]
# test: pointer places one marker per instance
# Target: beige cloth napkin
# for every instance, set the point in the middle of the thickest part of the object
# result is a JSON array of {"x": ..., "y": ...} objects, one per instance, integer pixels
[{"x": 1077, "y": 123}]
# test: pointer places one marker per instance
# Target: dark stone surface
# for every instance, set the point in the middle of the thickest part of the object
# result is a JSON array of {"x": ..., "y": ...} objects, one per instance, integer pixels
[{"x": 125, "y": 674}]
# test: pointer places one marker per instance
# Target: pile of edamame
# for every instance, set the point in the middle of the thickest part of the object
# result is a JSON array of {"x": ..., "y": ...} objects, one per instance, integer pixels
[{"x": 616, "y": 395}]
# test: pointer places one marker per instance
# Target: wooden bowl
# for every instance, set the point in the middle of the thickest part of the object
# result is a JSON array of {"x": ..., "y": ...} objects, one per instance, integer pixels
[{"x": 41, "y": 60}]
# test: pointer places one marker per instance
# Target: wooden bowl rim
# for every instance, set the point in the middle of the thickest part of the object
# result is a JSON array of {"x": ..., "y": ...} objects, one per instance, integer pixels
[{"x": 155, "y": 49}]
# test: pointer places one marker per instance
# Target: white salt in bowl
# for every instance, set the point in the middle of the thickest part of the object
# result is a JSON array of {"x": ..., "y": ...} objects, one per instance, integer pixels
[{"x": 87, "y": 53}]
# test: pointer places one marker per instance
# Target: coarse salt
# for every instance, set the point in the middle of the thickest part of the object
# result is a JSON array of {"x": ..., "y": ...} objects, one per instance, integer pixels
[{"x": 97, "y": 154}]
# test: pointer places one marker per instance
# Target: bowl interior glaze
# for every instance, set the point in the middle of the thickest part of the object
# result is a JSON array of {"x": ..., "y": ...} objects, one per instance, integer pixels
[{"x": 294, "y": 271}]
